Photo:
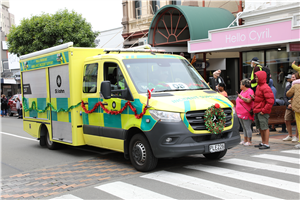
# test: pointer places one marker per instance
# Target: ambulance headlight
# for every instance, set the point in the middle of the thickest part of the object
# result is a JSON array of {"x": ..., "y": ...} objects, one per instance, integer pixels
[{"x": 165, "y": 116}]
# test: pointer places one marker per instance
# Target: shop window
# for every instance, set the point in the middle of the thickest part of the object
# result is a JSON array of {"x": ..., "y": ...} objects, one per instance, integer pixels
[{"x": 90, "y": 78}]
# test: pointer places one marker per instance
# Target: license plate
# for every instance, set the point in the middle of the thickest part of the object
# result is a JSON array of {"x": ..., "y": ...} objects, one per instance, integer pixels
[{"x": 217, "y": 147}]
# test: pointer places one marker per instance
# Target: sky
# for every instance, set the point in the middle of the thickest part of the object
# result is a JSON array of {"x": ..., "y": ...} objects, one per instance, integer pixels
[{"x": 102, "y": 14}]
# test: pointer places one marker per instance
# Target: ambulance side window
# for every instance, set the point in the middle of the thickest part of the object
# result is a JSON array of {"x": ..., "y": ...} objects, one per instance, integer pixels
[
  {"x": 113, "y": 74},
  {"x": 90, "y": 78}
]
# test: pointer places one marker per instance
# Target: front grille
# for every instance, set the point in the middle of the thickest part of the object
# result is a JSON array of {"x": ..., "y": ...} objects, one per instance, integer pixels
[
  {"x": 206, "y": 137},
  {"x": 196, "y": 118}
]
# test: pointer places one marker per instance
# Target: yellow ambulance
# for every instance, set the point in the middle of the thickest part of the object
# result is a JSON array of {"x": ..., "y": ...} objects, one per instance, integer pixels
[{"x": 144, "y": 103}]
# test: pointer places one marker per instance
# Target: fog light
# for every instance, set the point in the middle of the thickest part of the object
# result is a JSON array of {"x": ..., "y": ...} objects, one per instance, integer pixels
[{"x": 168, "y": 140}]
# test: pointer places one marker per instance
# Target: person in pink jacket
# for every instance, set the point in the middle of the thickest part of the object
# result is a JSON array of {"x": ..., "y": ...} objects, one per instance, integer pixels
[
  {"x": 263, "y": 102},
  {"x": 244, "y": 105}
]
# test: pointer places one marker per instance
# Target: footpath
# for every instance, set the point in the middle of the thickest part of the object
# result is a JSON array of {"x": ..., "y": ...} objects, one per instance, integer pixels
[{"x": 275, "y": 141}]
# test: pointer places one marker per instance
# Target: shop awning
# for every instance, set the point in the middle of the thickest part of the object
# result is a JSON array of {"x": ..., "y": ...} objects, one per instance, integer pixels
[{"x": 175, "y": 25}]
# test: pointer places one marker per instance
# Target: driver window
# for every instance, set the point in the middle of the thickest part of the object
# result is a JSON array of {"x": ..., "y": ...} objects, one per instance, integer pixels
[{"x": 113, "y": 74}]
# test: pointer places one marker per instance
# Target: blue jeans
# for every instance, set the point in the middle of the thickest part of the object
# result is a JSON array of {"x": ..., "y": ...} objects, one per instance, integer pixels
[
  {"x": 4, "y": 112},
  {"x": 20, "y": 113}
]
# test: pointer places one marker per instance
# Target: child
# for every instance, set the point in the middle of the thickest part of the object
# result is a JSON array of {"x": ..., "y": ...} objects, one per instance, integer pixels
[{"x": 222, "y": 89}]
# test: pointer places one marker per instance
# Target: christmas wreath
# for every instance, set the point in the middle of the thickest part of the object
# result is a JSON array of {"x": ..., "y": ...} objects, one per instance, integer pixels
[{"x": 214, "y": 119}]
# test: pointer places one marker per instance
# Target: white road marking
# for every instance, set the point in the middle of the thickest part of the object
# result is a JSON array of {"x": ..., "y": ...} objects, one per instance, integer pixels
[
  {"x": 26, "y": 138},
  {"x": 248, "y": 177},
  {"x": 259, "y": 165},
  {"x": 67, "y": 196},
  {"x": 292, "y": 151},
  {"x": 278, "y": 158},
  {"x": 128, "y": 191},
  {"x": 204, "y": 186}
]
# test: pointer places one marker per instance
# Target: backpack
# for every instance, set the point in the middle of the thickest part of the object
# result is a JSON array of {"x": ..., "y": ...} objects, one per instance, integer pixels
[{"x": 267, "y": 70}]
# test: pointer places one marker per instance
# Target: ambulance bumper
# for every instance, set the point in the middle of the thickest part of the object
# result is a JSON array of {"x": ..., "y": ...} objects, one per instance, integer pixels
[{"x": 184, "y": 143}]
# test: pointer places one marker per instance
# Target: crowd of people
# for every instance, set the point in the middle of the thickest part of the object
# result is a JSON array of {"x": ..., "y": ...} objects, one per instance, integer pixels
[{"x": 256, "y": 99}]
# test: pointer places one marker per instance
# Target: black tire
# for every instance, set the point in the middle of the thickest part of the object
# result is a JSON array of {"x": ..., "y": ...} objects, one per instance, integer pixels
[
  {"x": 140, "y": 154},
  {"x": 43, "y": 141},
  {"x": 50, "y": 144},
  {"x": 216, "y": 155}
]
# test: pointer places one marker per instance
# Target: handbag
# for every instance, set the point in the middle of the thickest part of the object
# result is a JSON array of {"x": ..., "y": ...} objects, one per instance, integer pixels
[{"x": 250, "y": 112}]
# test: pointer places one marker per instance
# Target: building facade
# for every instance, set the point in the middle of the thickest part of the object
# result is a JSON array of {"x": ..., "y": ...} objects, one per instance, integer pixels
[
  {"x": 169, "y": 25},
  {"x": 270, "y": 32},
  {"x": 138, "y": 15},
  {"x": 9, "y": 68}
]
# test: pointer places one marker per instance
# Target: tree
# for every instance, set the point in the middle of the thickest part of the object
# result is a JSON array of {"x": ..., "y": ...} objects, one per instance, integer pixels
[{"x": 48, "y": 30}]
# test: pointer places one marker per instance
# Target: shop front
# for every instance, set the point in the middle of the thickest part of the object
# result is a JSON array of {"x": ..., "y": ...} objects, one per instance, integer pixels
[{"x": 272, "y": 35}]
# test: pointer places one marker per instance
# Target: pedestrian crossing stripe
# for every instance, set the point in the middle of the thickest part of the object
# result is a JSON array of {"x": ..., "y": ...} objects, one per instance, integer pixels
[
  {"x": 278, "y": 158},
  {"x": 264, "y": 166},
  {"x": 204, "y": 186},
  {"x": 214, "y": 189},
  {"x": 67, "y": 197},
  {"x": 128, "y": 191},
  {"x": 248, "y": 177},
  {"x": 292, "y": 152}
]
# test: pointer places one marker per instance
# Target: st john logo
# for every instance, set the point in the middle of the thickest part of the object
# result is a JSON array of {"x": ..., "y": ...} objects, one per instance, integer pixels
[
  {"x": 58, "y": 80},
  {"x": 58, "y": 83}
]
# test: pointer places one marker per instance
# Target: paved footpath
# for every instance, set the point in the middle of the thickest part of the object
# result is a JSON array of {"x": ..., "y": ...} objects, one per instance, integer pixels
[{"x": 55, "y": 180}]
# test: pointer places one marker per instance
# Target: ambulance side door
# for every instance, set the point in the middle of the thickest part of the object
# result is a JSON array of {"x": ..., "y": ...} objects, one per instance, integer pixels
[
  {"x": 113, "y": 132},
  {"x": 92, "y": 122}
]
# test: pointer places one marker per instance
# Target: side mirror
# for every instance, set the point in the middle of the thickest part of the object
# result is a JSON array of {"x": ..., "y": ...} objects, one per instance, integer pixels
[
  {"x": 212, "y": 83},
  {"x": 105, "y": 89}
]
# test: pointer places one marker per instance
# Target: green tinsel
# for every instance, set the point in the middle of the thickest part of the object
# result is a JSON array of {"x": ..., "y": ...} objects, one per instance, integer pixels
[{"x": 48, "y": 105}]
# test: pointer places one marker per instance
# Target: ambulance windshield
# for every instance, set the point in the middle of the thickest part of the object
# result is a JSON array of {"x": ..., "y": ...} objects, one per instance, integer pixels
[{"x": 164, "y": 74}]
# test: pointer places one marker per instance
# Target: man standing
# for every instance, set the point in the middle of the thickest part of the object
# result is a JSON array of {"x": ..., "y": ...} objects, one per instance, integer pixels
[
  {"x": 289, "y": 113},
  {"x": 263, "y": 102},
  {"x": 256, "y": 67}
]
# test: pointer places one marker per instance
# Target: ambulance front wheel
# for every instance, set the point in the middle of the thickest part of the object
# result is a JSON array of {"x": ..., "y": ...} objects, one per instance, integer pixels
[
  {"x": 50, "y": 144},
  {"x": 216, "y": 155},
  {"x": 141, "y": 155}
]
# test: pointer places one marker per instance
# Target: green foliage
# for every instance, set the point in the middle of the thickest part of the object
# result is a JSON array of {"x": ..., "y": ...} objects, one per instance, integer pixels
[{"x": 48, "y": 30}]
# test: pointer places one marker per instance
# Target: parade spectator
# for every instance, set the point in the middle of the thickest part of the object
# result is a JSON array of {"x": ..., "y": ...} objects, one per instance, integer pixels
[
  {"x": 244, "y": 105},
  {"x": 271, "y": 85},
  {"x": 18, "y": 107},
  {"x": 218, "y": 79},
  {"x": 256, "y": 67},
  {"x": 274, "y": 93},
  {"x": 222, "y": 90},
  {"x": 295, "y": 92},
  {"x": 4, "y": 105},
  {"x": 263, "y": 102},
  {"x": 289, "y": 115}
]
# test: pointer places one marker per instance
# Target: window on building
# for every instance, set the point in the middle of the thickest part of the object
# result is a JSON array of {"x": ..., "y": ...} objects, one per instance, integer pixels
[
  {"x": 155, "y": 6},
  {"x": 175, "y": 2},
  {"x": 90, "y": 78},
  {"x": 138, "y": 9}
]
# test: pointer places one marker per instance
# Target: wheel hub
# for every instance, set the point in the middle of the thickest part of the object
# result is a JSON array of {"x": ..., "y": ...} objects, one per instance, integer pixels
[{"x": 139, "y": 153}]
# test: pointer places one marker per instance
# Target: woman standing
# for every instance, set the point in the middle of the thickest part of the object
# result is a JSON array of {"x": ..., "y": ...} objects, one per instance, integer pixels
[
  {"x": 244, "y": 105},
  {"x": 3, "y": 105},
  {"x": 295, "y": 90}
]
